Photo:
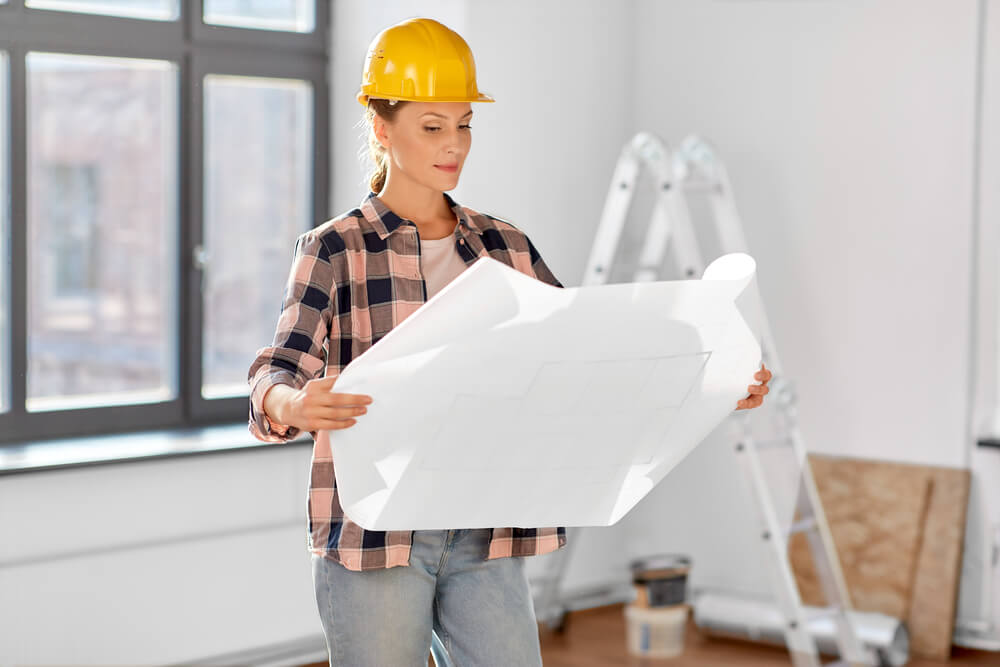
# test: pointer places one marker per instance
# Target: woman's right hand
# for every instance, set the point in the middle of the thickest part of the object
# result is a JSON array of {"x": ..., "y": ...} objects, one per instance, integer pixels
[{"x": 315, "y": 407}]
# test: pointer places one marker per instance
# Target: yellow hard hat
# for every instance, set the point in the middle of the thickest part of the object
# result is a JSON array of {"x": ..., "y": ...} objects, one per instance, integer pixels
[{"x": 420, "y": 60}]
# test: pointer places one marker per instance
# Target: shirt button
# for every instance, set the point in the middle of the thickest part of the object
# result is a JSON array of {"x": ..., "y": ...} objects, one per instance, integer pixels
[{"x": 462, "y": 241}]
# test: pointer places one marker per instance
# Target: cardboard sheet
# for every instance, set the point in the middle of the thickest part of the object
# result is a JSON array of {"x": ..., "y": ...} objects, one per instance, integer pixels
[{"x": 505, "y": 401}]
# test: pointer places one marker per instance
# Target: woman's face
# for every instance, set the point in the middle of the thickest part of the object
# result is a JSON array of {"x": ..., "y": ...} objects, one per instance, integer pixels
[{"x": 426, "y": 139}]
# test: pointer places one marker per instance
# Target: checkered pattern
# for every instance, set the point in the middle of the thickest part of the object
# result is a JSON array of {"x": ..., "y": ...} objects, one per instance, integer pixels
[{"x": 353, "y": 279}]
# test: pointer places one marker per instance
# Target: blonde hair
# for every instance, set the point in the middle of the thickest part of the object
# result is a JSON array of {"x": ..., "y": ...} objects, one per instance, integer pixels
[{"x": 376, "y": 151}]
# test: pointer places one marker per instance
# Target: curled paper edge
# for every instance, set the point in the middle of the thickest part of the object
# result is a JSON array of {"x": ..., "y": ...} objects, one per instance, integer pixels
[{"x": 740, "y": 269}]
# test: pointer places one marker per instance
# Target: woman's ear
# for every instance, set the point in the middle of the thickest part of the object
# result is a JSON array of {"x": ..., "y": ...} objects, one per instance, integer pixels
[{"x": 380, "y": 132}]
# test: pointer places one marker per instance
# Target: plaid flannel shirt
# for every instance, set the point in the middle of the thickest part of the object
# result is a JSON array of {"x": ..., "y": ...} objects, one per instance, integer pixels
[{"x": 352, "y": 280}]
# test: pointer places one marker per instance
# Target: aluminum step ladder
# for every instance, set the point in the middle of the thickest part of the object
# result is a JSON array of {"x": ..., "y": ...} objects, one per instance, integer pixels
[{"x": 694, "y": 169}]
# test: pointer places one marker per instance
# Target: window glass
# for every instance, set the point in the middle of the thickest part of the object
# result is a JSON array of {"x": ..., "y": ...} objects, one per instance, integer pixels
[
  {"x": 287, "y": 15},
  {"x": 161, "y": 10},
  {"x": 102, "y": 221},
  {"x": 258, "y": 194}
]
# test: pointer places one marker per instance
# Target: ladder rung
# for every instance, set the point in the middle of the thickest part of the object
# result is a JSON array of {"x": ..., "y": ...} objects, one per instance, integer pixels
[
  {"x": 786, "y": 441},
  {"x": 702, "y": 185},
  {"x": 802, "y": 525},
  {"x": 822, "y": 612}
]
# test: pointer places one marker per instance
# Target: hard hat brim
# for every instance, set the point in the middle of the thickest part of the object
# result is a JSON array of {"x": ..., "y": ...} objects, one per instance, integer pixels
[{"x": 483, "y": 97}]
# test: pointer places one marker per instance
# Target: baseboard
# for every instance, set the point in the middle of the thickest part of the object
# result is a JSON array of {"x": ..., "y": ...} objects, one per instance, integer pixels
[{"x": 286, "y": 654}]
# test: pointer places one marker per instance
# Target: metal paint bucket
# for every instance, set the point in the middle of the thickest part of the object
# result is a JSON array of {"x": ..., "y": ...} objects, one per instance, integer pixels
[{"x": 661, "y": 580}]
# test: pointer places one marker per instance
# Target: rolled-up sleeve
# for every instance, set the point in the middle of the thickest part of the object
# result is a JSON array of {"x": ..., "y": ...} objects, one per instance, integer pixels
[{"x": 298, "y": 350}]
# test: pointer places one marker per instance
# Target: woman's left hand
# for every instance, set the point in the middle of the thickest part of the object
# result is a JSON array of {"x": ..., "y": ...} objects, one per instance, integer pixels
[{"x": 757, "y": 391}]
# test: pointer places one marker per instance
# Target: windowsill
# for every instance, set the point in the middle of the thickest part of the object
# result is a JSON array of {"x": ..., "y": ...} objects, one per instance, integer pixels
[{"x": 64, "y": 453}]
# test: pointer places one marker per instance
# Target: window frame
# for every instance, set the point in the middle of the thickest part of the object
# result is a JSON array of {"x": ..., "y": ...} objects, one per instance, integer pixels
[{"x": 196, "y": 49}]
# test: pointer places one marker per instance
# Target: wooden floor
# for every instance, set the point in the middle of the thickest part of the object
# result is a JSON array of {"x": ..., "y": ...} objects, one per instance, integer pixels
[{"x": 596, "y": 638}]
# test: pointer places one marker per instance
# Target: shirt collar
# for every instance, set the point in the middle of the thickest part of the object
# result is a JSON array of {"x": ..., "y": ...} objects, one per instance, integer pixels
[{"x": 386, "y": 222}]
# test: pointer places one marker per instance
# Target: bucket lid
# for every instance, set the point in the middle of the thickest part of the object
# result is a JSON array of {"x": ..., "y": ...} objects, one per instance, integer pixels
[{"x": 659, "y": 562}]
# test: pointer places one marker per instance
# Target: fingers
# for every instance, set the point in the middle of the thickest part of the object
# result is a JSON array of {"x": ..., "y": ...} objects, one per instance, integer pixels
[
  {"x": 332, "y": 424},
  {"x": 756, "y": 391},
  {"x": 332, "y": 419},
  {"x": 315, "y": 411},
  {"x": 350, "y": 399},
  {"x": 324, "y": 396},
  {"x": 341, "y": 412},
  {"x": 747, "y": 403}
]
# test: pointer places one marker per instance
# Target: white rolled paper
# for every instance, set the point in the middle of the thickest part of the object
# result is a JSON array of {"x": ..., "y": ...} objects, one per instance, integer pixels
[{"x": 505, "y": 401}]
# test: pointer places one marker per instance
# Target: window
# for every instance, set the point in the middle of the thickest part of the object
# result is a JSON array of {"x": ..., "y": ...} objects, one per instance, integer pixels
[
  {"x": 254, "y": 208},
  {"x": 294, "y": 15},
  {"x": 163, "y": 10},
  {"x": 101, "y": 156},
  {"x": 151, "y": 197}
]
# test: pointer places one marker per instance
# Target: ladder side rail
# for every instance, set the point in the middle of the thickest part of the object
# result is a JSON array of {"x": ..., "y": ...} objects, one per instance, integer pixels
[
  {"x": 670, "y": 218},
  {"x": 830, "y": 573},
  {"x": 832, "y": 578},
  {"x": 686, "y": 250},
  {"x": 824, "y": 555},
  {"x": 613, "y": 216},
  {"x": 657, "y": 240},
  {"x": 714, "y": 180},
  {"x": 800, "y": 643},
  {"x": 703, "y": 170},
  {"x": 724, "y": 205}
]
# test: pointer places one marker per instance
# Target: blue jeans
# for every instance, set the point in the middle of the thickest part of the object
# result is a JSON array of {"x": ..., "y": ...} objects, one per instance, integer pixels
[{"x": 480, "y": 609}]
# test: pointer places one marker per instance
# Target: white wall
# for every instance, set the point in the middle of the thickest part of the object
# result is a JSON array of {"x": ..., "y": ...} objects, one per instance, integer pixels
[
  {"x": 156, "y": 562},
  {"x": 847, "y": 129}
]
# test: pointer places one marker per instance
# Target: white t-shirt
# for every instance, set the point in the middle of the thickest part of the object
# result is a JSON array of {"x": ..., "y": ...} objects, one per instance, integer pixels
[{"x": 440, "y": 262}]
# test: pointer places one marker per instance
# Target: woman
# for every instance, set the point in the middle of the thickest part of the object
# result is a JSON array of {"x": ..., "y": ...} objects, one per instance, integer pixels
[{"x": 380, "y": 594}]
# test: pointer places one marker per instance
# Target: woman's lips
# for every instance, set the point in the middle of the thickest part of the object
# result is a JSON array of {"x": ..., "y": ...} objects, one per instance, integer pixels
[{"x": 452, "y": 169}]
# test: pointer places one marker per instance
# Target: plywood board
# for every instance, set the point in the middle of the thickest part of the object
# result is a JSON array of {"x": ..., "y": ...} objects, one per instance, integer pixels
[
  {"x": 876, "y": 513},
  {"x": 927, "y": 602},
  {"x": 931, "y": 617}
]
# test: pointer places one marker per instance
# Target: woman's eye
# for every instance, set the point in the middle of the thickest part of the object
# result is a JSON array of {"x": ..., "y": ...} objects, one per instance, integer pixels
[
  {"x": 431, "y": 129},
  {"x": 465, "y": 127}
]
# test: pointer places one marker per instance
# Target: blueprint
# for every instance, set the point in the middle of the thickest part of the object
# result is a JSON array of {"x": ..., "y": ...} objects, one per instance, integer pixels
[{"x": 505, "y": 401}]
